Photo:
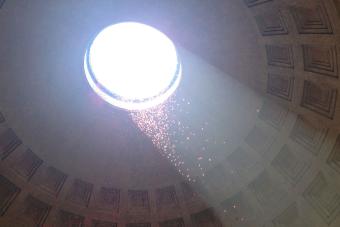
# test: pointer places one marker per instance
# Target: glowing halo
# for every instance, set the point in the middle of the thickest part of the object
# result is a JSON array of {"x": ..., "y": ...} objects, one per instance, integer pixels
[{"x": 132, "y": 66}]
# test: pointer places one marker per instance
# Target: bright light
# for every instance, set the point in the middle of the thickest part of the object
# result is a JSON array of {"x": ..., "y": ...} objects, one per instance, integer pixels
[{"x": 132, "y": 66}]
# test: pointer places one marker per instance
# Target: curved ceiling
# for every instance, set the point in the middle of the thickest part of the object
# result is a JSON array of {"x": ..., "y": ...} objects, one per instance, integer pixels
[{"x": 254, "y": 122}]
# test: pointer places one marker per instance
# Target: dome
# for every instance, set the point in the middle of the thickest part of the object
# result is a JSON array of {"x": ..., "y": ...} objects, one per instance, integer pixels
[{"x": 250, "y": 137}]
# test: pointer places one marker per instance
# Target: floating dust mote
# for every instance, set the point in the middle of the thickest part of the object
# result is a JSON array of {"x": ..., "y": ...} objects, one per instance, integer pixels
[{"x": 160, "y": 125}]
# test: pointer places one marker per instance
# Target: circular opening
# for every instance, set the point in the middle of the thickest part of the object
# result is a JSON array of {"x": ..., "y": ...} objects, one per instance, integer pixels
[{"x": 132, "y": 66}]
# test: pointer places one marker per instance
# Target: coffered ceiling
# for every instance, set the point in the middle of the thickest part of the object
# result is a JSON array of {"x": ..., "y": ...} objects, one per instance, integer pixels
[{"x": 253, "y": 127}]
